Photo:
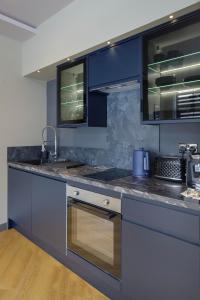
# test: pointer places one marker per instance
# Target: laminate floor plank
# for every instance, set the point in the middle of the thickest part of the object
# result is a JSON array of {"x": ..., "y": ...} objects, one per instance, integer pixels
[{"x": 29, "y": 273}]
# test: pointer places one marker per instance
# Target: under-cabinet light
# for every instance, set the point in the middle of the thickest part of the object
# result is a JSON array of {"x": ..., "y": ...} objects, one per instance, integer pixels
[
  {"x": 38, "y": 71},
  {"x": 171, "y": 17},
  {"x": 181, "y": 68},
  {"x": 181, "y": 91},
  {"x": 108, "y": 42},
  {"x": 68, "y": 59}
]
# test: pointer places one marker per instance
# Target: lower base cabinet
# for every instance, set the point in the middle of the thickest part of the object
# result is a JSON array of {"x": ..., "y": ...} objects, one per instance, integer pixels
[
  {"x": 156, "y": 266},
  {"x": 19, "y": 199},
  {"x": 49, "y": 212},
  {"x": 37, "y": 208}
]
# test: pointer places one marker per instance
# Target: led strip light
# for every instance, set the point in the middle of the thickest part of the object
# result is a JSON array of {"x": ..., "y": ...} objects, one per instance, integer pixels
[
  {"x": 181, "y": 91},
  {"x": 181, "y": 68}
]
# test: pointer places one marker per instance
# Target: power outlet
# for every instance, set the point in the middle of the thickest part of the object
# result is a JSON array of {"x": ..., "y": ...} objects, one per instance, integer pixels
[
  {"x": 182, "y": 148},
  {"x": 193, "y": 148}
]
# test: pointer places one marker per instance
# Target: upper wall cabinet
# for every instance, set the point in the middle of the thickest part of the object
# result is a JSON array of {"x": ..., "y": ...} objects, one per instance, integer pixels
[
  {"x": 71, "y": 107},
  {"x": 172, "y": 72},
  {"x": 75, "y": 105},
  {"x": 115, "y": 63}
]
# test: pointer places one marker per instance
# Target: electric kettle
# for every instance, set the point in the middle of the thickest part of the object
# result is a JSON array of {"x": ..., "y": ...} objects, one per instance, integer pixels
[{"x": 141, "y": 163}]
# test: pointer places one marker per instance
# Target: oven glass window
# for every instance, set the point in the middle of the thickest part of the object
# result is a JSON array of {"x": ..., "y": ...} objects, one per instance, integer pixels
[{"x": 94, "y": 234}]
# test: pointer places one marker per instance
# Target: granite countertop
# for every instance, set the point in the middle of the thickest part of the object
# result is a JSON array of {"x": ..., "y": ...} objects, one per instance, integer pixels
[{"x": 143, "y": 188}]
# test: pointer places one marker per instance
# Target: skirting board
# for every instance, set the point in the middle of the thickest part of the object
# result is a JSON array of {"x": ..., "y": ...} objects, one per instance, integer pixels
[{"x": 3, "y": 226}]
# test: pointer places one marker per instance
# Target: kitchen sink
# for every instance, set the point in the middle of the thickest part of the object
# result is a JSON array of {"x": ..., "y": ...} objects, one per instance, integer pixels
[
  {"x": 67, "y": 164},
  {"x": 35, "y": 162}
]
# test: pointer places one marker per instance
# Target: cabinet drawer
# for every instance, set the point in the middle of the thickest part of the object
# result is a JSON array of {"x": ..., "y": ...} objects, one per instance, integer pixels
[{"x": 176, "y": 223}]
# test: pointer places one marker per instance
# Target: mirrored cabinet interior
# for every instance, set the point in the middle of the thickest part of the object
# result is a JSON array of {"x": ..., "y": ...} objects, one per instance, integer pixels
[
  {"x": 71, "y": 91},
  {"x": 172, "y": 73}
]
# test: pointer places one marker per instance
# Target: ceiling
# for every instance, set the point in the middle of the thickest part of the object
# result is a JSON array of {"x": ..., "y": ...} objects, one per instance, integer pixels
[{"x": 20, "y": 18}]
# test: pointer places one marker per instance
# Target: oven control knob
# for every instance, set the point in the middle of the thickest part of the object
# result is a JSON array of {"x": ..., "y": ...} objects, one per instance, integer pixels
[
  {"x": 76, "y": 193},
  {"x": 106, "y": 202}
]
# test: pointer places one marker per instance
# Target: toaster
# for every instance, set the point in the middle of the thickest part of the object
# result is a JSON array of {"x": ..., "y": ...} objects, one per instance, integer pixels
[{"x": 170, "y": 168}]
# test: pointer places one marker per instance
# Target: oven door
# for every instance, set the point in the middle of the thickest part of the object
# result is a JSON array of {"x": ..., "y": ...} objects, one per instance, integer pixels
[{"x": 95, "y": 234}]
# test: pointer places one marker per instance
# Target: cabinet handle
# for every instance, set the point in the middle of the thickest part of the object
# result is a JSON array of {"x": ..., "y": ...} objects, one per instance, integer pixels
[
  {"x": 106, "y": 202},
  {"x": 76, "y": 193}
]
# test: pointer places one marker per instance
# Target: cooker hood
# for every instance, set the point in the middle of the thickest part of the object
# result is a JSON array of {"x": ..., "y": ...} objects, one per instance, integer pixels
[{"x": 117, "y": 87}]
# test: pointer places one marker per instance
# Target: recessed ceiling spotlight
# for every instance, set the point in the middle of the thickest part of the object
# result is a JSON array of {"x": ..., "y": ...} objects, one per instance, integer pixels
[
  {"x": 108, "y": 42},
  {"x": 38, "y": 71},
  {"x": 68, "y": 59},
  {"x": 171, "y": 17}
]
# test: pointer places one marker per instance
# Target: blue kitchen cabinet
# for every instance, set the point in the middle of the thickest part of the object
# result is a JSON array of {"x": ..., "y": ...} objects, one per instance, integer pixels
[
  {"x": 49, "y": 212},
  {"x": 76, "y": 106},
  {"x": 19, "y": 199},
  {"x": 171, "y": 82},
  {"x": 117, "y": 63},
  {"x": 37, "y": 208},
  {"x": 156, "y": 265}
]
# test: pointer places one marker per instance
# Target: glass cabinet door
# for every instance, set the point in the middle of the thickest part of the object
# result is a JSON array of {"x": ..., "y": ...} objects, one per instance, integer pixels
[
  {"x": 172, "y": 90},
  {"x": 71, "y": 94}
]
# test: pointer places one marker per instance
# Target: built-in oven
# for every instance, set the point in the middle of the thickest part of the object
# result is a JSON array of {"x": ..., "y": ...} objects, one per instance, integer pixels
[{"x": 94, "y": 228}]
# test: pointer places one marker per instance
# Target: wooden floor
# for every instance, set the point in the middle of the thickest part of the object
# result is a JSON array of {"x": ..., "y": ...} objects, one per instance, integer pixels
[{"x": 28, "y": 273}]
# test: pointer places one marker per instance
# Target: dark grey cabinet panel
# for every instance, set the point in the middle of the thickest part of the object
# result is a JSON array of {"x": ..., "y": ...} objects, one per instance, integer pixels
[
  {"x": 167, "y": 220},
  {"x": 156, "y": 266},
  {"x": 49, "y": 212},
  {"x": 19, "y": 199}
]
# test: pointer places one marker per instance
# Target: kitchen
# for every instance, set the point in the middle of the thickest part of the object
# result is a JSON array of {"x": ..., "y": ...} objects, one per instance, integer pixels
[{"x": 96, "y": 175}]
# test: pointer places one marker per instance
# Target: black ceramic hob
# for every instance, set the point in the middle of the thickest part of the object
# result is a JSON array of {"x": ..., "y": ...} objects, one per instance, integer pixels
[{"x": 109, "y": 175}]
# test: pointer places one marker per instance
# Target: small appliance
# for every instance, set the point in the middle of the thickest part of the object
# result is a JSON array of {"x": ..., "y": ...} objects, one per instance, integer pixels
[
  {"x": 141, "y": 163},
  {"x": 193, "y": 171},
  {"x": 170, "y": 168}
]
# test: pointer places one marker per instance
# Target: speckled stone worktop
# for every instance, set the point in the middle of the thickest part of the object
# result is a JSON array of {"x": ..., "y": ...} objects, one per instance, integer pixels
[{"x": 151, "y": 189}]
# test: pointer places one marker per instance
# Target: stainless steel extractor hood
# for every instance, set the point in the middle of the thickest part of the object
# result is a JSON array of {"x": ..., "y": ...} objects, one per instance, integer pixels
[{"x": 118, "y": 87}]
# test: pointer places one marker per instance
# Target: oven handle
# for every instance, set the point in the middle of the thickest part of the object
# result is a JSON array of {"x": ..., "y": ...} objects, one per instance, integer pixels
[{"x": 97, "y": 211}]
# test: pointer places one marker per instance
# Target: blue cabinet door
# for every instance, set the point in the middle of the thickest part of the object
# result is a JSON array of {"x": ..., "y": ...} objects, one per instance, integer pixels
[
  {"x": 156, "y": 266},
  {"x": 49, "y": 212},
  {"x": 19, "y": 199},
  {"x": 116, "y": 63}
]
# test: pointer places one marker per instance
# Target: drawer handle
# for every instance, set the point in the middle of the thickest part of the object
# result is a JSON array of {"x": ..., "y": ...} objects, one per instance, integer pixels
[
  {"x": 76, "y": 193},
  {"x": 106, "y": 202}
]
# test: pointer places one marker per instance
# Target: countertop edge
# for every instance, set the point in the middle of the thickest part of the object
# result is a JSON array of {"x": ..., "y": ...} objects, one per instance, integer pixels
[{"x": 125, "y": 192}]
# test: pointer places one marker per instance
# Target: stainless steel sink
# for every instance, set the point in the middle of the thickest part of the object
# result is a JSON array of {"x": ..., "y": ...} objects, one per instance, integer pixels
[
  {"x": 67, "y": 164},
  {"x": 35, "y": 162}
]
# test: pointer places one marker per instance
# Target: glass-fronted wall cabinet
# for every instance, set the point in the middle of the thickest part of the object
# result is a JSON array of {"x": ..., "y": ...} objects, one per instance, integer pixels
[
  {"x": 171, "y": 90},
  {"x": 71, "y": 89}
]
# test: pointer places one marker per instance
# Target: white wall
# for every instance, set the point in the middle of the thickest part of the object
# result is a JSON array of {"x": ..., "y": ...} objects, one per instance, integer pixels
[
  {"x": 22, "y": 110},
  {"x": 84, "y": 24}
]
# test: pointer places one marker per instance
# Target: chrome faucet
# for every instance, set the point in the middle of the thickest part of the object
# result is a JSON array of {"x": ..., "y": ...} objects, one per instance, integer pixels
[{"x": 54, "y": 154}]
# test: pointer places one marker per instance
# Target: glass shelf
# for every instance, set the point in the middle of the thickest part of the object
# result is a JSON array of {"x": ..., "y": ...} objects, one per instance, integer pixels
[
  {"x": 71, "y": 102},
  {"x": 177, "y": 64},
  {"x": 71, "y": 86},
  {"x": 179, "y": 87},
  {"x": 71, "y": 94},
  {"x": 171, "y": 90}
]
